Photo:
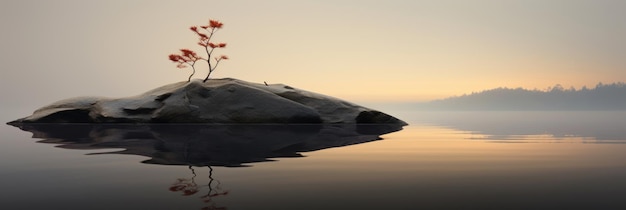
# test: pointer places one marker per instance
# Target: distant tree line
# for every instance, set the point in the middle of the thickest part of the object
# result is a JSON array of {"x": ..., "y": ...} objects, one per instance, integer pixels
[{"x": 601, "y": 97}]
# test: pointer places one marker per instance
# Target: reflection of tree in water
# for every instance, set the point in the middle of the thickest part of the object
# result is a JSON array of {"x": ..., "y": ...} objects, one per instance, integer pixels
[
  {"x": 207, "y": 145},
  {"x": 188, "y": 187}
]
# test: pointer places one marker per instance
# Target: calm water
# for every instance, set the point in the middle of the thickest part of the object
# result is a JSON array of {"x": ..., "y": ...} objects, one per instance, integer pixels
[{"x": 443, "y": 160}]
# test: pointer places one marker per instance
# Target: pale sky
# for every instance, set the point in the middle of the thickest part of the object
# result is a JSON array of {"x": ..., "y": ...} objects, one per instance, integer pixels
[{"x": 358, "y": 50}]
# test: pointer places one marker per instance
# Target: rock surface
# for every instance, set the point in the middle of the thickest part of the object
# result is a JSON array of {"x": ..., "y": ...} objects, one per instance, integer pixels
[{"x": 216, "y": 101}]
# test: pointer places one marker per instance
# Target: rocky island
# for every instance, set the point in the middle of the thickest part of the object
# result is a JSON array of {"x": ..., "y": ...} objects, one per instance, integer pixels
[{"x": 220, "y": 101}]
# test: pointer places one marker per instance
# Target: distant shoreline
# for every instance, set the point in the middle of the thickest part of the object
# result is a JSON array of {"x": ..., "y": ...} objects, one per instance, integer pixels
[{"x": 611, "y": 97}]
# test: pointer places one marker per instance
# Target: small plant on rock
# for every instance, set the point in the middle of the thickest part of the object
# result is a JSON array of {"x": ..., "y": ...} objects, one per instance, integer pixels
[{"x": 190, "y": 58}]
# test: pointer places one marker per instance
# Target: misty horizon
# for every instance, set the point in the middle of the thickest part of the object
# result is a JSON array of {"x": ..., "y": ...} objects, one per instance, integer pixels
[
  {"x": 601, "y": 97},
  {"x": 410, "y": 50}
]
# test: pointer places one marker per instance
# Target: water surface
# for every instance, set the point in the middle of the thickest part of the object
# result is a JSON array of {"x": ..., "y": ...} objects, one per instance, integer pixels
[{"x": 463, "y": 160}]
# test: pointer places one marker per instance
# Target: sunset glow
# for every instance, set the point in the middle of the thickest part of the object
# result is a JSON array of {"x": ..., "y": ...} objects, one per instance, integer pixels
[{"x": 358, "y": 50}]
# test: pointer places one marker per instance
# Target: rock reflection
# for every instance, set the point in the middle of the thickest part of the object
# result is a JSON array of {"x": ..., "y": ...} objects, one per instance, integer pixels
[
  {"x": 207, "y": 145},
  {"x": 200, "y": 146}
]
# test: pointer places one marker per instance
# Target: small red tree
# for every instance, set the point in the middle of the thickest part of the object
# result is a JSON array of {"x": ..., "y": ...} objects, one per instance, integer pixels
[{"x": 189, "y": 57}]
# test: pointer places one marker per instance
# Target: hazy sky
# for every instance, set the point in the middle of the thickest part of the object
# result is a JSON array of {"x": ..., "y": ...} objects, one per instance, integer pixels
[{"x": 394, "y": 50}]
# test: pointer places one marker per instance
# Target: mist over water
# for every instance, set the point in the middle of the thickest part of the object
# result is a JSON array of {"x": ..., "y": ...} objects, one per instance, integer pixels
[{"x": 600, "y": 126}]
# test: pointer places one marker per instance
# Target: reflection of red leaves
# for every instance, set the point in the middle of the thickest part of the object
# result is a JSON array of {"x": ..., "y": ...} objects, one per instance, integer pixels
[
  {"x": 176, "y": 188},
  {"x": 188, "y": 187},
  {"x": 209, "y": 197},
  {"x": 188, "y": 192},
  {"x": 215, "y": 195}
]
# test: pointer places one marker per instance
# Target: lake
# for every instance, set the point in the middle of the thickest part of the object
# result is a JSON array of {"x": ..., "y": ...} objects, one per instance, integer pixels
[{"x": 442, "y": 160}]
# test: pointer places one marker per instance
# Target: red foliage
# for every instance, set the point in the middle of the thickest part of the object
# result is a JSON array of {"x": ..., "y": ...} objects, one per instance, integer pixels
[
  {"x": 215, "y": 24},
  {"x": 175, "y": 58},
  {"x": 189, "y": 57}
]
